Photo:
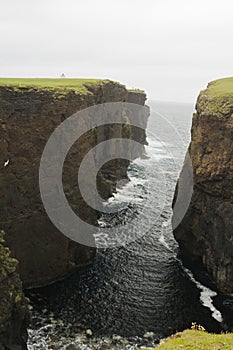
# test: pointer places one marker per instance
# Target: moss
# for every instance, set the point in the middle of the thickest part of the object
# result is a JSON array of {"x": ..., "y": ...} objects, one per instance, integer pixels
[
  {"x": 8, "y": 265},
  {"x": 2, "y": 233},
  {"x": 14, "y": 313},
  {"x": 18, "y": 298}
]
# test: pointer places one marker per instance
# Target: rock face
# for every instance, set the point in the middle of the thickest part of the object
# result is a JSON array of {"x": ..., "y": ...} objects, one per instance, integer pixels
[
  {"x": 205, "y": 235},
  {"x": 28, "y": 116},
  {"x": 14, "y": 314}
]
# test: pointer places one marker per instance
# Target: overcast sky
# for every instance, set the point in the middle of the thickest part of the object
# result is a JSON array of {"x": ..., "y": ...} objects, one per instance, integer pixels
[{"x": 170, "y": 48}]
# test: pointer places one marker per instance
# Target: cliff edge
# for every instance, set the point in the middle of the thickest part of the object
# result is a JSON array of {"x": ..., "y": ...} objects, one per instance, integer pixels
[
  {"x": 30, "y": 110},
  {"x": 205, "y": 235}
]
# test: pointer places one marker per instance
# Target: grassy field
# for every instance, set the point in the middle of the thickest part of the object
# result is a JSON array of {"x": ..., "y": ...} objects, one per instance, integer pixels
[
  {"x": 197, "y": 340},
  {"x": 77, "y": 85},
  {"x": 217, "y": 99},
  {"x": 221, "y": 87}
]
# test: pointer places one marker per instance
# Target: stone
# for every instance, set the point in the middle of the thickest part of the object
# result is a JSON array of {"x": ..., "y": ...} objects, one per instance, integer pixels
[
  {"x": 205, "y": 235},
  {"x": 89, "y": 332},
  {"x": 14, "y": 312},
  {"x": 28, "y": 116},
  {"x": 148, "y": 335}
]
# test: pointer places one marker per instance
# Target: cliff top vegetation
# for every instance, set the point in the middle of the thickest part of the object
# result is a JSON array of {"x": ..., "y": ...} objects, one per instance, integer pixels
[
  {"x": 217, "y": 99},
  {"x": 195, "y": 339},
  {"x": 220, "y": 87},
  {"x": 76, "y": 85}
]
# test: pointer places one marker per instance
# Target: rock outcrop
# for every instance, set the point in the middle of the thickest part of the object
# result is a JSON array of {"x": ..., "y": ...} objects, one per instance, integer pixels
[
  {"x": 28, "y": 116},
  {"x": 14, "y": 314},
  {"x": 205, "y": 235}
]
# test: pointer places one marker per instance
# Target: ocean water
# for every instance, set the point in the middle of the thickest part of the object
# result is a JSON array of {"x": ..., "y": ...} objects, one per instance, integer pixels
[{"x": 133, "y": 295}]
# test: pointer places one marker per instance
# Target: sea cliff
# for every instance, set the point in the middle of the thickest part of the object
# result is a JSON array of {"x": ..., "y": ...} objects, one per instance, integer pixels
[
  {"x": 30, "y": 110},
  {"x": 205, "y": 235}
]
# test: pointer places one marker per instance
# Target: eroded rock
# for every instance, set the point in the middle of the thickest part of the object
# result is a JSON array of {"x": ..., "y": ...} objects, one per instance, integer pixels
[
  {"x": 28, "y": 116},
  {"x": 205, "y": 235},
  {"x": 14, "y": 312}
]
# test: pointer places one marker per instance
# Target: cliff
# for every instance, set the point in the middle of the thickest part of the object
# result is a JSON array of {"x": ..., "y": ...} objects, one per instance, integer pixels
[
  {"x": 14, "y": 314},
  {"x": 205, "y": 233},
  {"x": 30, "y": 110}
]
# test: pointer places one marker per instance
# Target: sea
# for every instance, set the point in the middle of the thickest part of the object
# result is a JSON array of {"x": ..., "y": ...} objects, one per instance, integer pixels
[{"x": 133, "y": 295}]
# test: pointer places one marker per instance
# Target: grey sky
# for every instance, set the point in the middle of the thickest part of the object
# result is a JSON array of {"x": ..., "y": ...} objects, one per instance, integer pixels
[{"x": 170, "y": 48}]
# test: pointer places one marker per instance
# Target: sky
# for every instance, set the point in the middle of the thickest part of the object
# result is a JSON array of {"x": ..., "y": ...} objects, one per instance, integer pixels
[{"x": 169, "y": 48}]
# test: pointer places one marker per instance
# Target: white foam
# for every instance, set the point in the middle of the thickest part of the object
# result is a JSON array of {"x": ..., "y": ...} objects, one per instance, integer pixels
[
  {"x": 206, "y": 297},
  {"x": 128, "y": 193},
  {"x": 206, "y": 294},
  {"x": 6, "y": 163},
  {"x": 162, "y": 239}
]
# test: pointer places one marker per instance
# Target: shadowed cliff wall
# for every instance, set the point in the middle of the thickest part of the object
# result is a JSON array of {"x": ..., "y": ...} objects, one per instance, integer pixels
[
  {"x": 205, "y": 235},
  {"x": 28, "y": 115}
]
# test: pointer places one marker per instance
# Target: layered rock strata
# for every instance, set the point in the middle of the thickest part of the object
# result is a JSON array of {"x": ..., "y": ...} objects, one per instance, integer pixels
[
  {"x": 205, "y": 234},
  {"x": 29, "y": 113}
]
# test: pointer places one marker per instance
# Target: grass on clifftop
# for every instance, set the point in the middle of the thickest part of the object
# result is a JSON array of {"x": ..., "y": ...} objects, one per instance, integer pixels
[
  {"x": 197, "y": 340},
  {"x": 221, "y": 87},
  {"x": 77, "y": 85},
  {"x": 136, "y": 91},
  {"x": 217, "y": 99}
]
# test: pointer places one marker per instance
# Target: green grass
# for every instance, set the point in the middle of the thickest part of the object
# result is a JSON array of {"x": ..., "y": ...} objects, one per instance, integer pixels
[
  {"x": 136, "y": 91},
  {"x": 221, "y": 87},
  {"x": 217, "y": 99},
  {"x": 197, "y": 340},
  {"x": 64, "y": 84}
]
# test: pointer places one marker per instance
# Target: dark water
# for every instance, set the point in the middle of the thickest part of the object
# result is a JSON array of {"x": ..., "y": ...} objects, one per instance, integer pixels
[{"x": 141, "y": 287}]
